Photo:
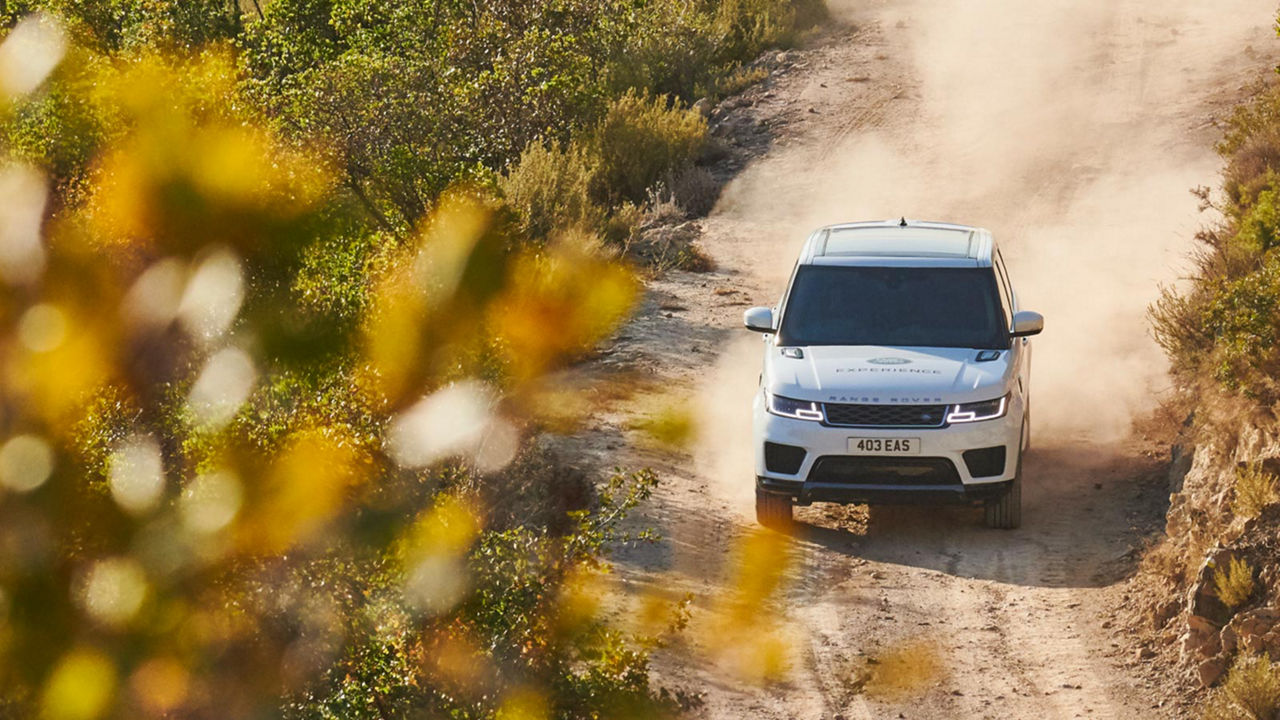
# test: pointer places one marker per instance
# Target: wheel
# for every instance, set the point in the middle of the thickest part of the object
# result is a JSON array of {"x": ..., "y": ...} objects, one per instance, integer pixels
[
  {"x": 773, "y": 511},
  {"x": 1005, "y": 513}
]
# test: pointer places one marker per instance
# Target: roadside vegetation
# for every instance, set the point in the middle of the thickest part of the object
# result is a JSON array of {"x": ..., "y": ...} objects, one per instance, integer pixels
[
  {"x": 1221, "y": 331},
  {"x": 288, "y": 284}
]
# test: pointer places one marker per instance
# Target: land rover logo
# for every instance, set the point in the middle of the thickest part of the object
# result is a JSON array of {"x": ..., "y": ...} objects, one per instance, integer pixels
[{"x": 889, "y": 361}]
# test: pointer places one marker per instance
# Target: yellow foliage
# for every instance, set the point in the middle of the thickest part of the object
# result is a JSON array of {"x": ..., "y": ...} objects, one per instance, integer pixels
[
  {"x": 1255, "y": 489},
  {"x": 1236, "y": 585},
  {"x": 671, "y": 426},
  {"x": 307, "y": 484},
  {"x": 754, "y": 651},
  {"x": 524, "y": 704},
  {"x": 557, "y": 305},
  {"x": 160, "y": 685},
  {"x": 1250, "y": 692},
  {"x": 190, "y": 173},
  {"x": 62, "y": 368},
  {"x": 80, "y": 688}
]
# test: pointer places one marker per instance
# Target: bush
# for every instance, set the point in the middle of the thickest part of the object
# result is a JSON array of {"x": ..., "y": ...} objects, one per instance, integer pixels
[
  {"x": 1243, "y": 317},
  {"x": 695, "y": 190},
  {"x": 550, "y": 190},
  {"x": 1250, "y": 692},
  {"x": 642, "y": 139},
  {"x": 1255, "y": 489},
  {"x": 749, "y": 26},
  {"x": 1235, "y": 586}
]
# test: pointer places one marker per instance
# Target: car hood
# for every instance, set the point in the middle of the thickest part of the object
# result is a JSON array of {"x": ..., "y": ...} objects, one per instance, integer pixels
[{"x": 874, "y": 374}]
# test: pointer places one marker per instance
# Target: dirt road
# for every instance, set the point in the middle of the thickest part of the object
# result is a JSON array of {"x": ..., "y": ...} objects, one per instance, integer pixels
[{"x": 1074, "y": 131}]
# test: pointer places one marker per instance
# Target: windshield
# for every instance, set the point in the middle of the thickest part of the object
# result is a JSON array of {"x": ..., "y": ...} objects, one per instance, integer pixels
[{"x": 897, "y": 306}]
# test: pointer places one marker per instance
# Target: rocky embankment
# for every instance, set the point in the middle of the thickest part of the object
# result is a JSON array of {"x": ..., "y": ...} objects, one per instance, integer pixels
[{"x": 1213, "y": 582}]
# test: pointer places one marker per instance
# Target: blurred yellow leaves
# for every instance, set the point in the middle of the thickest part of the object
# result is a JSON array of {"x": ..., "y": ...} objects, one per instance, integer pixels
[
  {"x": 669, "y": 423},
  {"x": 177, "y": 185},
  {"x": 462, "y": 280},
  {"x": 80, "y": 687},
  {"x": 305, "y": 487},
  {"x": 524, "y": 704},
  {"x": 160, "y": 685},
  {"x": 756, "y": 651},
  {"x": 61, "y": 357},
  {"x": 433, "y": 555},
  {"x": 558, "y": 305}
]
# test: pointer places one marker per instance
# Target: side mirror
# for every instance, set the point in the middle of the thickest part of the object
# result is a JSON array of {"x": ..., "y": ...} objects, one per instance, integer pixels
[
  {"x": 1027, "y": 323},
  {"x": 759, "y": 319}
]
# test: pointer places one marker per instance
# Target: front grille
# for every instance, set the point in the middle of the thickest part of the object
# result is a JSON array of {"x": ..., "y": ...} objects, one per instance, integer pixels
[
  {"x": 855, "y": 470},
  {"x": 885, "y": 415},
  {"x": 785, "y": 459},
  {"x": 987, "y": 462}
]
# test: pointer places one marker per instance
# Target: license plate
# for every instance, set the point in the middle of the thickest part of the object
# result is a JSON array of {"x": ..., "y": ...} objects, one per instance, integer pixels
[{"x": 884, "y": 446}]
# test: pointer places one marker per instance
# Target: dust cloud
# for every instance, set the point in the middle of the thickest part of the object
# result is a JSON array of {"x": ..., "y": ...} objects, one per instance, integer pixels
[{"x": 1072, "y": 130}]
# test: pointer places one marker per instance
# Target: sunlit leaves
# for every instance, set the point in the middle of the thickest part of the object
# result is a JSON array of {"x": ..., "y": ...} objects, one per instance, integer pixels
[
  {"x": 558, "y": 304},
  {"x": 307, "y": 485},
  {"x": 176, "y": 186}
]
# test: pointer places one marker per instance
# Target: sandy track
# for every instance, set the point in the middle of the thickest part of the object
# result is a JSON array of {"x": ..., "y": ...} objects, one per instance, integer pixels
[{"x": 1072, "y": 130}]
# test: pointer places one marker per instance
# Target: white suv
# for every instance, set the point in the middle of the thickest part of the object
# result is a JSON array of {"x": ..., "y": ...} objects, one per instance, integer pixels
[{"x": 896, "y": 370}]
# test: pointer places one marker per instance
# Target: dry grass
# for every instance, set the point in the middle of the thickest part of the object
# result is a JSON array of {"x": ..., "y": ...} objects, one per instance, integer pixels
[
  {"x": 1255, "y": 489},
  {"x": 739, "y": 80},
  {"x": 695, "y": 190},
  {"x": 1236, "y": 585},
  {"x": 1250, "y": 692}
]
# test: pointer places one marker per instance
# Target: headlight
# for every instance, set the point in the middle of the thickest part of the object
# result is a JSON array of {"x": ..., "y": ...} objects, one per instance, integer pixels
[
  {"x": 974, "y": 412},
  {"x": 798, "y": 409}
]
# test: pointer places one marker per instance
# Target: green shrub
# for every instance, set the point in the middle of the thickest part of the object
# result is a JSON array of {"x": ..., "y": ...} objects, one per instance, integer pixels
[
  {"x": 669, "y": 47},
  {"x": 749, "y": 26},
  {"x": 1236, "y": 585},
  {"x": 737, "y": 80},
  {"x": 550, "y": 190},
  {"x": 1243, "y": 317},
  {"x": 640, "y": 140},
  {"x": 1250, "y": 692},
  {"x": 1255, "y": 489}
]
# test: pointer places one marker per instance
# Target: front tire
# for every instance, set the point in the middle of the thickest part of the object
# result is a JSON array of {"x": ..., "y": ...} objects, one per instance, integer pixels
[
  {"x": 1005, "y": 513},
  {"x": 773, "y": 511}
]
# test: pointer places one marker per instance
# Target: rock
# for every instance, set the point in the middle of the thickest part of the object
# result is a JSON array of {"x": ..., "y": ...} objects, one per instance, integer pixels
[
  {"x": 1201, "y": 639},
  {"x": 1202, "y": 597},
  {"x": 1211, "y": 670},
  {"x": 1179, "y": 466},
  {"x": 1162, "y": 613},
  {"x": 1228, "y": 637},
  {"x": 1249, "y": 631},
  {"x": 1145, "y": 653}
]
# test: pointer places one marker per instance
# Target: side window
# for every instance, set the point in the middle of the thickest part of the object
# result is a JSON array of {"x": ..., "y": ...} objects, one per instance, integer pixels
[{"x": 1006, "y": 299}]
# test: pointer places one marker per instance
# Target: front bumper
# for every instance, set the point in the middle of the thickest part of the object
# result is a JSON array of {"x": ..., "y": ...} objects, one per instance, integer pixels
[{"x": 941, "y": 447}]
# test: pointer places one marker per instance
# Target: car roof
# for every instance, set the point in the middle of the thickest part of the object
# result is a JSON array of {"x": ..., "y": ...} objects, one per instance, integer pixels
[{"x": 901, "y": 242}]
